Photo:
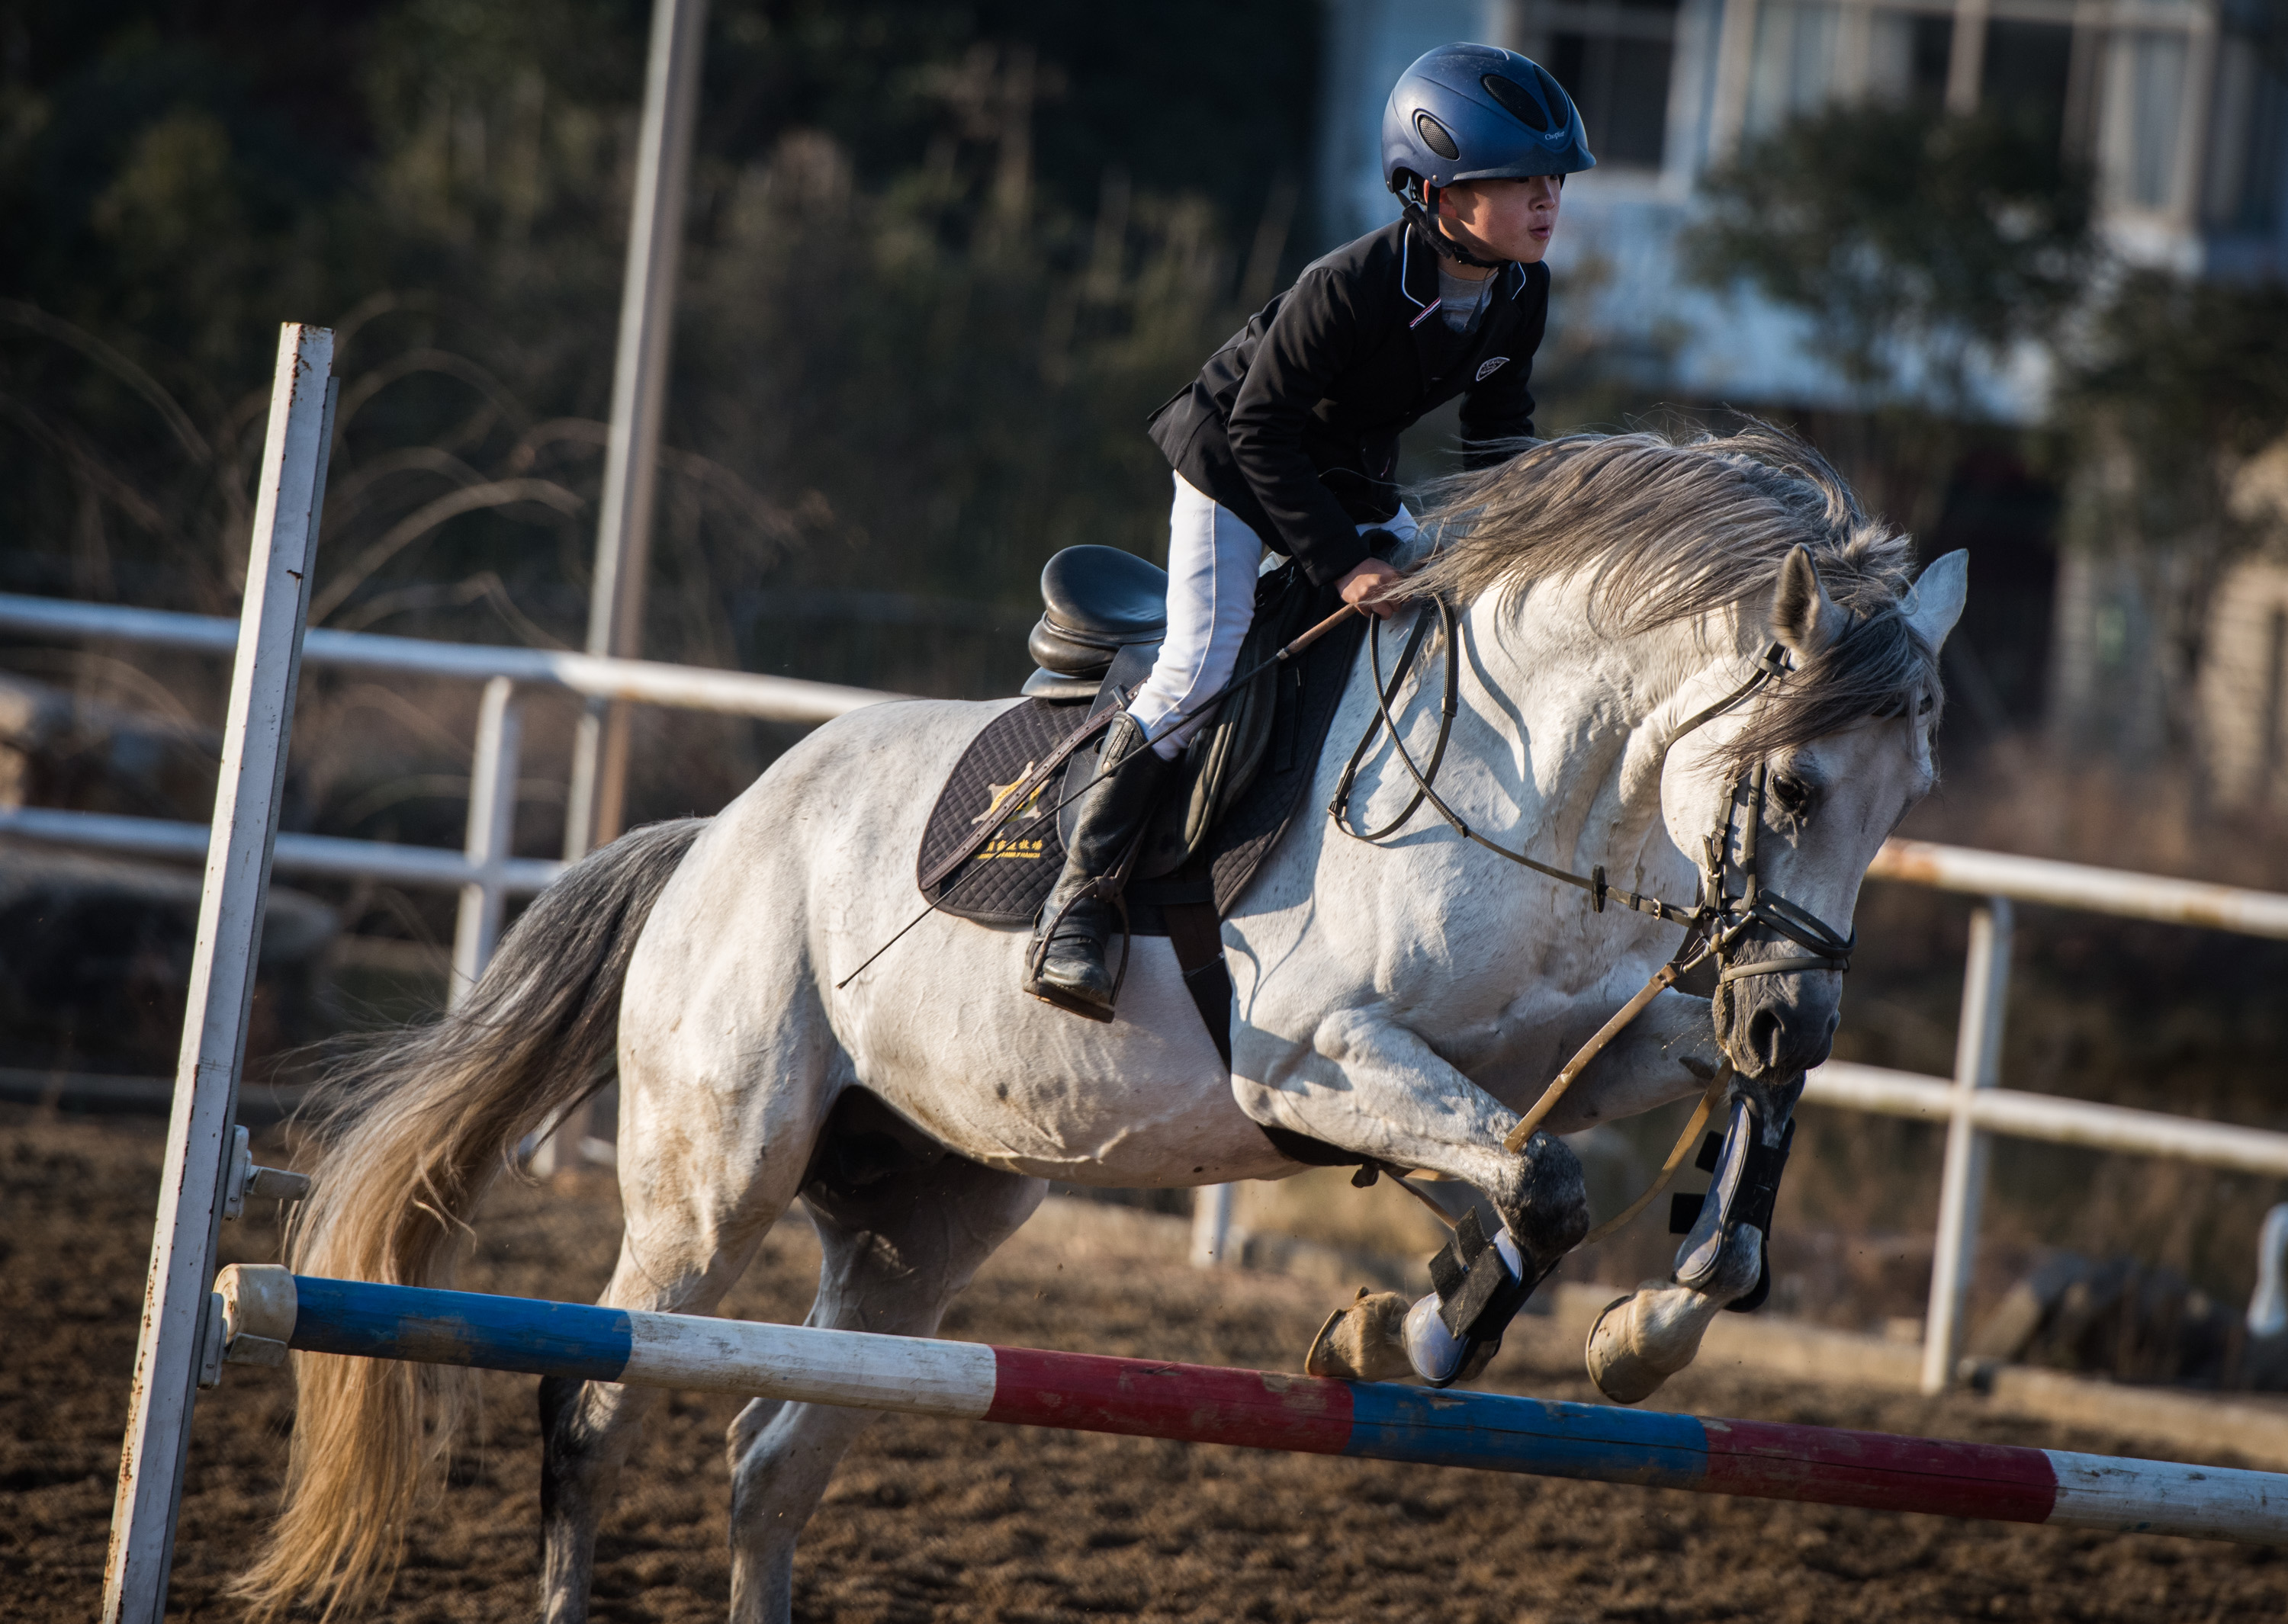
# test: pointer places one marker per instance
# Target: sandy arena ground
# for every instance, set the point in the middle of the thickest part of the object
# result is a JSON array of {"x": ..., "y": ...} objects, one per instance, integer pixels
[{"x": 941, "y": 1521}]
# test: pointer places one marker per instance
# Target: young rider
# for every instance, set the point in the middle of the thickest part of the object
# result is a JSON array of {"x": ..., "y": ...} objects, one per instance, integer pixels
[{"x": 1289, "y": 437}]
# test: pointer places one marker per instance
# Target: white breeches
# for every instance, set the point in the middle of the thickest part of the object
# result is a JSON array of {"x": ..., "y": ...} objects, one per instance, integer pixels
[{"x": 1212, "y": 562}]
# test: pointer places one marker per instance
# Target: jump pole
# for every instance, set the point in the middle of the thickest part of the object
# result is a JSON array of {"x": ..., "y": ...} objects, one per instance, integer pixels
[
  {"x": 205, "y": 1175},
  {"x": 270, "y": 1311}
]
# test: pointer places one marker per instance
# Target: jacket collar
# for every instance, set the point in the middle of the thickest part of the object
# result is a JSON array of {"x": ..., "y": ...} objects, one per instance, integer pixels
[{"x": 1418, "y": 276}]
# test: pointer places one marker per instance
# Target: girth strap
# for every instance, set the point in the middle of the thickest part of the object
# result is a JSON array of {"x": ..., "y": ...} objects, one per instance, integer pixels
[{"x": 1195, "y": 932}]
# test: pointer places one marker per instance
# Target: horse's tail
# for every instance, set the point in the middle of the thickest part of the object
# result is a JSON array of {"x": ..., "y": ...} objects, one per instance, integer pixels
[{"x": 416, "y": 1126}]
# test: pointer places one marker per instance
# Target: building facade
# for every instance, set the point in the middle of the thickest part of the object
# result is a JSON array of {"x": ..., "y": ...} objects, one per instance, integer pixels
[{"x": 2177, "y": 105}]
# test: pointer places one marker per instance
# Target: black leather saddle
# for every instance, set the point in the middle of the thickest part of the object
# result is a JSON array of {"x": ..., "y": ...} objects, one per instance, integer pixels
[
  {"x": 1104, "y": 617},
  {"x": 1095, "y": 602}
]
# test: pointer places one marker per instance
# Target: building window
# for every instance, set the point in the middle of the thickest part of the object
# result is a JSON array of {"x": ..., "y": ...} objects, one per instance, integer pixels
[
  {"x": 1613, "y": 57},
  {"x": 2024, "y": 75},
  {"x": 2149, "y": 85},
  {"x": 1793, "y": 69},
  {"x": 2250, "y": 134},
  {"x": 1908, "y": 53}
]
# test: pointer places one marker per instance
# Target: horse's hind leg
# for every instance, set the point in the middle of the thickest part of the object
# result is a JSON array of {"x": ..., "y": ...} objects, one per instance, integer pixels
[
  {"x": 897, "y": 1251},
  {"x": 697, "y": 1204}
]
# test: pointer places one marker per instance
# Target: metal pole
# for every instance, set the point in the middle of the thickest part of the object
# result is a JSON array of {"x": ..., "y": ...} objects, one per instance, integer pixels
[
  {"x": 179, "y": 1309},
  {"x": 1736, "y": 50},
  {"x": 1977, "y": 1065},
  {"x": 615, "y": 603},
  {"x": 1965, "y": 66},
  {"x": 492, "y": 827},
  {"x": 1211, "y": 1224}
]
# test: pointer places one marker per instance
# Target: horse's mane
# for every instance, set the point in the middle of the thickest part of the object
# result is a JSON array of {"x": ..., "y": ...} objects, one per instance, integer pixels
[{"x": 1670, "y": 529}]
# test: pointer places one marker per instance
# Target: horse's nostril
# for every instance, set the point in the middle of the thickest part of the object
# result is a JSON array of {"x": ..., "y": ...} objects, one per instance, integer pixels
[{"x": 1764, "y": 1038}]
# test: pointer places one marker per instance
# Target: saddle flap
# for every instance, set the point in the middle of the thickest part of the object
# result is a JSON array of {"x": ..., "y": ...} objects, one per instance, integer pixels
[{"x": 1223, "y": 757}]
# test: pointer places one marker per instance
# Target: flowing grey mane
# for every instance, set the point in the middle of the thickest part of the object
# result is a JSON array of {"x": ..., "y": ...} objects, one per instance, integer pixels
[{"x": 1672, "y": 529}]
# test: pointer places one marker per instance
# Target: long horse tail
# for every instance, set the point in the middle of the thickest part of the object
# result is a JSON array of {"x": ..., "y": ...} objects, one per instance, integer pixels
[{"x": 415, "y": 1125}]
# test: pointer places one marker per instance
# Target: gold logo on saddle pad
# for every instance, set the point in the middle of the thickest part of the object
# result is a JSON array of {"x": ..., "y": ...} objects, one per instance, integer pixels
[{"x": 1024, "y": 814}]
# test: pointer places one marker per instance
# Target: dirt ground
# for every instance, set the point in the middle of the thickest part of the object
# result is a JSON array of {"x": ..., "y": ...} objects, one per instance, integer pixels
[{"x": 945, "y": 1521}]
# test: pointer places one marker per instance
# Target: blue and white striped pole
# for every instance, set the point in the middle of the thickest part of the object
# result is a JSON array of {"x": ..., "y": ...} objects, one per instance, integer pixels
[{"x": 271, "y": 1311}]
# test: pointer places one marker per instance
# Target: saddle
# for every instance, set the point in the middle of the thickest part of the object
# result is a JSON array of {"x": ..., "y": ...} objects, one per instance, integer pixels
[{"x": 1240, "y": 781}]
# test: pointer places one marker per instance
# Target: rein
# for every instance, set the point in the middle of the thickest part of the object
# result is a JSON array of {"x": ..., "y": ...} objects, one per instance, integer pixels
[{"x": 1718, "y": 923}]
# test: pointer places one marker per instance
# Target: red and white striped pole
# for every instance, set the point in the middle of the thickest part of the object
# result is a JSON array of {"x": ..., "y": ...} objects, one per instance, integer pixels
[{"x": 270, "y": 1311}]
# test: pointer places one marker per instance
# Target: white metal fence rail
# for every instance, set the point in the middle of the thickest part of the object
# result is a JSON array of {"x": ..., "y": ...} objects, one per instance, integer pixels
[
  {"x": 484, "y": 871},
  {"x": 1971, "y": 1102}
]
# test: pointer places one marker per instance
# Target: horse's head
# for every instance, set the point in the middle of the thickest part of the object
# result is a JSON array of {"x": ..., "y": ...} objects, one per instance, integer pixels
[
  {"x": 1641, "y": 579},
  {"x": 1798, "y": 785}
]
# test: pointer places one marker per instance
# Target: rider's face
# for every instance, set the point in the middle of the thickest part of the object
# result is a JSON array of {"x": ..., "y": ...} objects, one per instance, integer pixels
[{"x": 1506, "y": 219}]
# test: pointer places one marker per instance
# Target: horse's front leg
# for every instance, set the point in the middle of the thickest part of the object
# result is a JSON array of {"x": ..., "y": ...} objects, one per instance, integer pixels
[
  {"x": 1642, "y": 1339},
  {"x": 1375, "y": 1087},
  {"x": 1372, "y": 1085}
]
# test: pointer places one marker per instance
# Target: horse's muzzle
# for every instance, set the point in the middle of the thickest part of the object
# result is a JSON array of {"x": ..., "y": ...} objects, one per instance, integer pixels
[{"x": 1779, "y": 1025}]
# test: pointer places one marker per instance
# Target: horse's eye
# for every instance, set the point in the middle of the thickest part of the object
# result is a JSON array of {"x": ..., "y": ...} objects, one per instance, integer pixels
[{"x": 1792, "y": 794}]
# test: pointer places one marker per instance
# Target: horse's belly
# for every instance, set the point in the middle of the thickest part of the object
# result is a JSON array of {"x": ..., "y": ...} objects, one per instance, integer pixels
[
  {"x": 1014, "y": 1083},
  {"x": 802, "y": 901}
]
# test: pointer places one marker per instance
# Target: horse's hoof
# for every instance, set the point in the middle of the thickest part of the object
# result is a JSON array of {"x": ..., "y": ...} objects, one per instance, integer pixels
[
  {"x": 1362, "y": 1340},
  {"x": 1620, "y": 1371}
]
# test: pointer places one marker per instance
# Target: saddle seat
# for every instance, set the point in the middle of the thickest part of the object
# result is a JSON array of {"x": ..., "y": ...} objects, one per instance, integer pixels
[{"x": 1095, "y": 602}]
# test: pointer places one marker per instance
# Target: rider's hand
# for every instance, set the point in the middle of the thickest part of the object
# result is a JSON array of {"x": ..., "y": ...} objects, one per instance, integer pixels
[{"x": 1367, "y": 582}]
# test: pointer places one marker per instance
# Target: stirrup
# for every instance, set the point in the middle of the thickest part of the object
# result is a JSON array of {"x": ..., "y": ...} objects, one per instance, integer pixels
[{"x": 1038, "y": 956}]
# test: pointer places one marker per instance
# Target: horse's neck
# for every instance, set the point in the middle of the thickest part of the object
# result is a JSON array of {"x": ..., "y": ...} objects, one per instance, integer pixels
[{"x": 1590, "y": 714}]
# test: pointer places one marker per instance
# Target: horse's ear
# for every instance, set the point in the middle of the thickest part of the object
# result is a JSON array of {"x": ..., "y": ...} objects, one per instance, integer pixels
[
  {"x": 1804, "y": 617},
  {"x": 1934, "y": 603}
]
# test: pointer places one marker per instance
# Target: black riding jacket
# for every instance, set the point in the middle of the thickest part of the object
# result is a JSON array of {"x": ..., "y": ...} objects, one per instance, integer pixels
[{"x": 1293, "y": 424}]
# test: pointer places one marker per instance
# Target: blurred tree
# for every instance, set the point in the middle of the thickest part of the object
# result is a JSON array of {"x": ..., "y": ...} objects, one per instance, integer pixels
[
  {"x": 926, "y": 309},
  {"x": 2177, "y": 387},
  {"x": 1924, "y": 249},
  {"x": 1919, "y": 244},
  {"x": 942, "y": 260}
]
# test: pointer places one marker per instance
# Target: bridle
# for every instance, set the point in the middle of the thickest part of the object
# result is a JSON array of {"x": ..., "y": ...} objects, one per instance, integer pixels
[{"x": 1721, "y": 917}]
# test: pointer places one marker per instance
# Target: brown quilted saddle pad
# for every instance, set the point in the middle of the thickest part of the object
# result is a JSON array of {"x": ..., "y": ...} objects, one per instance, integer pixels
[{"x": 1006, "y": 882}]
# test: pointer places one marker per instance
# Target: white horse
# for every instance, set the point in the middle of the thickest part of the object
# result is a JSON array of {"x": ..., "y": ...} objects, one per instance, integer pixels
[{"x": 1401, "y": 1001}]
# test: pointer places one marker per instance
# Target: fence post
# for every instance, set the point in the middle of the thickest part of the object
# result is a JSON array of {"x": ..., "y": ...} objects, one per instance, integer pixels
[
  {"x": 594, "y": 805},
  {"x": 492, "y": 827},
  {"x": 1211, "y": 1224},
  {"x": 179, "y": 1309},
  {"x": 1977, "y": 1065}
]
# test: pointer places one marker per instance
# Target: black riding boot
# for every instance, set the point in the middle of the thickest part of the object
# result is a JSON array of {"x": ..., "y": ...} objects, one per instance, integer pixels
[{"x": 1068, "y": 969}]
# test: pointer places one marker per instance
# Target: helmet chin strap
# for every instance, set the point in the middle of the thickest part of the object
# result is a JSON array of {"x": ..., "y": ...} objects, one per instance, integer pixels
[{"x": 1424, "y": 222}]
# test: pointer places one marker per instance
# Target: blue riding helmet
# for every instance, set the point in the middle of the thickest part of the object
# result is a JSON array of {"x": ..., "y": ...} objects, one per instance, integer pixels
[{"x": 1478, "y": 113}]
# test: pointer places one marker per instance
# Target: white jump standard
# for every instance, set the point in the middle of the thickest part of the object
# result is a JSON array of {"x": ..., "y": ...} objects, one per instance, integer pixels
[{"x": 269, "y": 1310}]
